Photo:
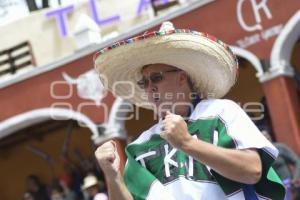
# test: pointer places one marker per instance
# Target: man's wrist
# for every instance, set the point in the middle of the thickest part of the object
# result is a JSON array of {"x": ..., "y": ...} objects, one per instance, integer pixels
[
  {"x": 187, "y": 144},
  {"x": 116, "y": 179}
]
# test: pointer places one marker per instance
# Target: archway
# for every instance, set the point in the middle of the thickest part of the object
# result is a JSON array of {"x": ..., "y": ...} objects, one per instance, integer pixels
[
  {"x": 283, "y": 47},
  {"x": 30, "y": 118},
  {"x": 44, "y": 142}
]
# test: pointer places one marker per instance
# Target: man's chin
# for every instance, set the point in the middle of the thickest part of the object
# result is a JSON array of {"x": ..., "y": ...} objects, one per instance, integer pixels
[{"x": 155, "y": 104}]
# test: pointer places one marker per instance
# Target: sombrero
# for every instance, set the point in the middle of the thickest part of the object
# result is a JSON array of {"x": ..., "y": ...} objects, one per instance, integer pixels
[{"x": 208, "y": 61}]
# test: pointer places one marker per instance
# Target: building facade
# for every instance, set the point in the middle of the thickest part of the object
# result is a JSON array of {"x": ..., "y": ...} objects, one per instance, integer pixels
[{"x": 264, "y": 35}]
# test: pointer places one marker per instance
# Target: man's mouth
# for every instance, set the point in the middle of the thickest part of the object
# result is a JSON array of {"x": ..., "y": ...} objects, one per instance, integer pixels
[{"x": 156, "y": 99}]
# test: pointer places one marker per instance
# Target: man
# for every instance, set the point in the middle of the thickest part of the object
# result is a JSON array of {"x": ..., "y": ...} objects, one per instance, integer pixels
[
  {"x": 37, "y": 189},
  {"x": 201, "y": 148},
  {"x": 93, "y": 188}
]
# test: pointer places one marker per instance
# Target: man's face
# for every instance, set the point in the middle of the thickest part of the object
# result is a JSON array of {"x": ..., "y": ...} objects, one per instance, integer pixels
[
  {"x": 161, "y": 83},
  {"x": 92, "y": 191}
]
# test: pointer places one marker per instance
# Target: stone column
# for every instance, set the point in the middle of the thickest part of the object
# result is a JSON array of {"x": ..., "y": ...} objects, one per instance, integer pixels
[{"x": 284, "y": 108}]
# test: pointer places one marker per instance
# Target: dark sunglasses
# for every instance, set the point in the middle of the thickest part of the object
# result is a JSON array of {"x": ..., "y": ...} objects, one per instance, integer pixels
[{"x": 155, "y": 77}]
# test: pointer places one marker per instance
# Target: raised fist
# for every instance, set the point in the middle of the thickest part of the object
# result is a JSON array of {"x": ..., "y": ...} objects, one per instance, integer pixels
[
  {"x": 174, "y": 130},
  {"x": 108, "y": 158}
]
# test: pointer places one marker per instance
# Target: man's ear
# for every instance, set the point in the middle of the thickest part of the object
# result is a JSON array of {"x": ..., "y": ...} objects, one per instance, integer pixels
[{"x": 183, "y": 77}]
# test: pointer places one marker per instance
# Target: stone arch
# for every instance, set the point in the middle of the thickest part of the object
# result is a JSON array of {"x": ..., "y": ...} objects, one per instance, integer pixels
[
  {"x": 23, "y": 120},
  {"x": 283, "y": 47},
  {"x": 252, "y": 58}
]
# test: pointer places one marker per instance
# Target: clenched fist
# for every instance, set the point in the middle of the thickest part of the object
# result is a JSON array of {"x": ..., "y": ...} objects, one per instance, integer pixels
[
  {"x": 108, "y": 159},
  {"x": 175, "y": 131}
]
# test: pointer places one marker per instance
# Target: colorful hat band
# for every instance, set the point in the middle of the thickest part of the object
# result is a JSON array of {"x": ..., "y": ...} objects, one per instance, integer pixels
[{"x": 164, "y": 33}]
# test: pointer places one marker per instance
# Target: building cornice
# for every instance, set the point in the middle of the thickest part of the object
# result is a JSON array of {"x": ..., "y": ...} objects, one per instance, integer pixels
[{"x": 185, "y": 8}]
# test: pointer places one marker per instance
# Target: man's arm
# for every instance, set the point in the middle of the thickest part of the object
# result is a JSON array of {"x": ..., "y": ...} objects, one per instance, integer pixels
[
  {"x": 109, "y": 162},
  {"x": 239, "y": 165},
  {"x": 117, "y": 189}
]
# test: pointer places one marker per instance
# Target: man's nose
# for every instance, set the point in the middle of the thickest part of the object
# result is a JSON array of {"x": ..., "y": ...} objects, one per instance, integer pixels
[{"x": 151, "y": 87}]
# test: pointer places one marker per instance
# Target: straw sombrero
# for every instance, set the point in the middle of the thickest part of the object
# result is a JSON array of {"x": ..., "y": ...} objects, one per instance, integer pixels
[{"x": 208, "y": 61}]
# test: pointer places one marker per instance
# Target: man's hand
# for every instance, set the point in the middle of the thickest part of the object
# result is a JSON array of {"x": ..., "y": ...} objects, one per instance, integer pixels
[
  {"x": 108, "y": 159},
  {"x": 175, "y": 131}
]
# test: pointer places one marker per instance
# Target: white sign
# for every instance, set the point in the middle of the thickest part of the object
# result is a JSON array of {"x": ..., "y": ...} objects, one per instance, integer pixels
[
  {"x": 258, "y": 9},
  {"x": 253, "y": 23},
  {"x": 264, "y": 35},
  {"x": 11, "y": 10}
]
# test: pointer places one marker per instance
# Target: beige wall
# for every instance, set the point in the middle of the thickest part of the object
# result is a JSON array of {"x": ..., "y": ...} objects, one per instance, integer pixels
[{"x": 44, "y": 35}]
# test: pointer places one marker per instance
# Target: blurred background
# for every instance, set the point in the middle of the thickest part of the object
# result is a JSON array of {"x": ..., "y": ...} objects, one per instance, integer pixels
[{"x": 54, "y": 111}]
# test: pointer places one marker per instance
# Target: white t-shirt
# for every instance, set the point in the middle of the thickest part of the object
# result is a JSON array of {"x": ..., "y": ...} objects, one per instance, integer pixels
[{"x": 156, "y": 170}]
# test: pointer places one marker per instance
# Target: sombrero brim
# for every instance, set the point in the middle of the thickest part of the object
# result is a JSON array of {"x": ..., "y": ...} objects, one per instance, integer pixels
[{"x": 209, "y": 62}]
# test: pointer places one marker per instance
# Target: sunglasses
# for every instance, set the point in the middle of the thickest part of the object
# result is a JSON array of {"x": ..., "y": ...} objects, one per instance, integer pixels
[{"x": 155, "y": 77}]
